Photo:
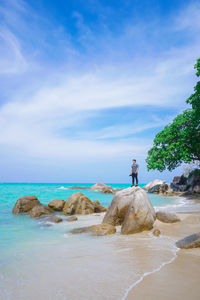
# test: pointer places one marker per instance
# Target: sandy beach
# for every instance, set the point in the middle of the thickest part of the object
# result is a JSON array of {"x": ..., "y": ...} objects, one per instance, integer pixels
[{"x": 180, "y": 278}]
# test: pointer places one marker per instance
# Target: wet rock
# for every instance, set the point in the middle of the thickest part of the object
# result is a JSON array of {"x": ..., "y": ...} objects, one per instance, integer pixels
[
  {"x": 98, "y": 208},
  {"x": 57, "y": 204},
  {"x": 140, "y": 215},
  {"x": 96, "y": 230},
  {"x": 159, "y": 188},
  {"x": 191, "y": 241},
  {"x": 72, "y": 219},
  {"x": 25, "y": 204},
  {"x": 52, "y": 219},
  {"x": 167, "y": 217},
  {"x": 40, "y": 210},
  {"x": 156, "y": 232},
  {"x": 78, "y": 203}
]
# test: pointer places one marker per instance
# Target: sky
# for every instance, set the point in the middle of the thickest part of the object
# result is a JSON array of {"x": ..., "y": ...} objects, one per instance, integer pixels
[{"x": 86, "y": 84}]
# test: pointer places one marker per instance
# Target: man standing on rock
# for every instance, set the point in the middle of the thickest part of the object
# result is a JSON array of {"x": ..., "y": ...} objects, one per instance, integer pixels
[{"x": 134, "y": 172}]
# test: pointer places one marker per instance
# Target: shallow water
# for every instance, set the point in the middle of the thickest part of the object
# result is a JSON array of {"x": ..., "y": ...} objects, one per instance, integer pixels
[{"x": 40, "y": 262}]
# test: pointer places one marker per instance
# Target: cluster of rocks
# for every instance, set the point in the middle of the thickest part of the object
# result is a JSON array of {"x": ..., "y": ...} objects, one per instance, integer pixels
[
  {"x": 77, "y": 203},
  {"x": 180, "y": 185},
  {"x": 106, "y": 189}
]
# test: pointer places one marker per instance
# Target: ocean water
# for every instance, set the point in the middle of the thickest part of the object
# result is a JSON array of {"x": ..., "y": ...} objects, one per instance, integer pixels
[{"x": 47, "y": 262}]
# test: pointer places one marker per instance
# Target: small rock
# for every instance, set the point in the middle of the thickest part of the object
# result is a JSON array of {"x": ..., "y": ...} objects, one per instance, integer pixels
[
  {"x": 190, "y": 241},
  {"x": 96, "y": 230},
  {"x": 57, "y": 204},
  {"x": 167, "y": 217},
  {"x": 79, "y": 204},
  {"x": 40, "y": 210},
  {"x": 156, "y": 232},
  {"x": 72, "y": 219},
  {"x": 98, "y": 207}
]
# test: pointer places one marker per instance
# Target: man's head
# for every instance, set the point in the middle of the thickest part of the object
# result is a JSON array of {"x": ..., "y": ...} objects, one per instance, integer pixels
[{"x": 134, "y": 161}]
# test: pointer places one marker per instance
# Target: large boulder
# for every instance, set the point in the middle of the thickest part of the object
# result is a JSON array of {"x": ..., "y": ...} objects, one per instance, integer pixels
[
  {"x": 25, "y": 204},
  {"x": 40, "y": 210},
  {"x": 132, "y": 208},
  {"x": 180, "y": 180},
  {"x": 140, "y": 215},
  {"x": 191, "y": 241},
  {"x": 153, "y": 183},
  {"x": 57, "y": 204},
  {"x": 78, "y": 203},
  {"x": 167, "y": 217},
  {"x": 96, "y": 230},
  {"x": 98, "y": 208}
]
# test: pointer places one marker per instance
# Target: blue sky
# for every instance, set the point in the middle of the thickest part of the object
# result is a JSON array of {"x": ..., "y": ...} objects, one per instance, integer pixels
[{"x": 86, "y": 85}]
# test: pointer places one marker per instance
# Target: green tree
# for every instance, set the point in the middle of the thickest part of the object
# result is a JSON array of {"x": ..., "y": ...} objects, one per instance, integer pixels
[{"x": 179, "y": 141}]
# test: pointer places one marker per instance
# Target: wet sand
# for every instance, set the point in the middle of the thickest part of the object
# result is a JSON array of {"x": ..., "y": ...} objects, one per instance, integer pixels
[{"x": 181, "y": 278}]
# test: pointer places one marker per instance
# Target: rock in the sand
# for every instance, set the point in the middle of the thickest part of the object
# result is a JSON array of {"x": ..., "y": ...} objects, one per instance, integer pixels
[
  {"x": 132, "y": 208},
  {"x": 79, "y": 188},
  {"x": 103, "y": 188},
  {"x": 57, "y": 204},
  {"x": 191, "y": 241},
  {"x": 40, "y": 210},
  {"x": 78, "y": 204},
  {"x": 98, "y": 208},
  {"x": 156, "y": 232},
  {"x": 153, "y": 183},
  {"x": 72, "y": 219},
  {"x": 140, "y": 215},
  {"x": 167, "y": 217},
  {"x": 25, "y": 204},
  {"x": 96, "y": 230}
]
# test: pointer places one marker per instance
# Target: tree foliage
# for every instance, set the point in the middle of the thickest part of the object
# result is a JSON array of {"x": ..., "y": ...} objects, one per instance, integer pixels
[{"x": 179, "y": 141}]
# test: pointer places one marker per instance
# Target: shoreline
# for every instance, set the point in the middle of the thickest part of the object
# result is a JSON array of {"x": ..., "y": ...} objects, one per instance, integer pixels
[{"x": 178, "y": 278}]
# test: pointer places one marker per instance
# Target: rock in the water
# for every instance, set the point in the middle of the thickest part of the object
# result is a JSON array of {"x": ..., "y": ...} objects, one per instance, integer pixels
[
  {"x": 167, "y": 217},
  {"x": 79, "y": 188},
  {"x": 72, "y": 219},
  {"x": 191, "y": 241},
  {"x": 153, "y": 183},
  {"x": 156, "y": 232},
  {"x": 25, "y": 204},
  {"x": 103, "y": 188},
  {"x": 98, "y": 208},
  {"x": 78, "y": 203},
  {"x": 96, "y": 230},
  {"x": 57, "y": 204},
  {"x": 40, "y": 210},
  {"x": 98, "y": 186},
  {"x": 140, "y": 215},
  {"x": 132, "y": 208}
]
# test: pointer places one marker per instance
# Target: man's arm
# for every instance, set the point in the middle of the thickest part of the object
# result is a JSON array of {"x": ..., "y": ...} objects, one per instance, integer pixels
[
  {"x": 137, "y": 169},
  {"x": 131, "y": 171}
]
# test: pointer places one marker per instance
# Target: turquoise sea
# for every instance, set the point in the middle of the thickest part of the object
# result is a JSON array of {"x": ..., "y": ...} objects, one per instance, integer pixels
[{"x": 46, "y": 262}]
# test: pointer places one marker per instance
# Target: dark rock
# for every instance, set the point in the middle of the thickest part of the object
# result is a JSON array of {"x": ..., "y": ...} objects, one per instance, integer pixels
[
  {"x": 159, "y": 188},
  {"x": 25, "y": 204},
  {"x": 167, "y": 217},
  {"x": 191, "y": 241},
  {"x": 96, "y": 230}
]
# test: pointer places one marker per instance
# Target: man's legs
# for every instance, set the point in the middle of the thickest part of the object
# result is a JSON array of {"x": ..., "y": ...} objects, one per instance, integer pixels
[
  {"x": 136, "y": 177},
  {"x": 133, "y": 179}
]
